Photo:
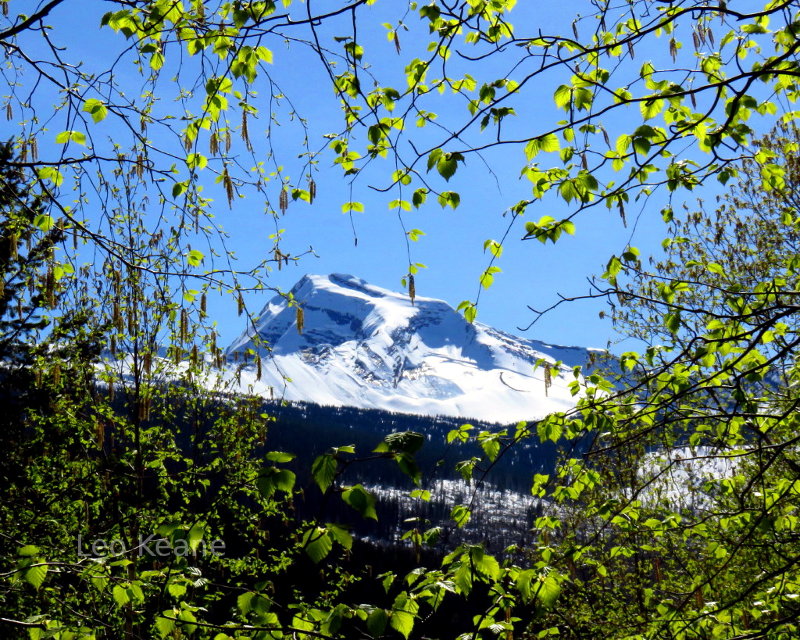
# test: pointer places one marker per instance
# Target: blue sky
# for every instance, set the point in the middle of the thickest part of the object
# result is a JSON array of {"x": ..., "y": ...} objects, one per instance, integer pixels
[{"x": 452, "y": 247}]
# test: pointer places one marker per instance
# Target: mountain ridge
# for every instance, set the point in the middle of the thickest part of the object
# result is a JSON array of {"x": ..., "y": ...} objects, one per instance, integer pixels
[{"x": 370, "y": 347}]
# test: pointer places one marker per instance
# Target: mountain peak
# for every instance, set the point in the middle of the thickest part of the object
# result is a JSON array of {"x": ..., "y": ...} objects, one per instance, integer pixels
[{"x": 366, "y": 346}]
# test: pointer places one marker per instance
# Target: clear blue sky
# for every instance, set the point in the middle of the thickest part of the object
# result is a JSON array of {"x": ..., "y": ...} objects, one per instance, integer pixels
[{"x": 532, "y": 274}]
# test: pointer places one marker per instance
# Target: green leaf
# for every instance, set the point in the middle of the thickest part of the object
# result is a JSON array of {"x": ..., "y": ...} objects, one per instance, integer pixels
[
  {"x": 402, "y": 442},
  {"x": 361, "y": 500},
  {"x": 194, "y": 258},
  {"x": 403, "y": 615},
  {"x": 121, "y": 596},
  {"x": 341, "y": 535},
  {"x": 563, "y": 96},
  {"x": 44, "y": 222},
  {"x": 195, "y": 535},
  {"x": 285, "y": 480},
  {"x": 358, "y": 207},
  {"x": 71, "y": 136},
  {"x": 317, "y": 544},
  {"x": 651, "y": 108},
  {"x": 470, "y": 312},
  {"x": 52, "y": 174},
  {"x": 28, "y": 551},
  {"x": 35, "y": 575},
  {"x": 448, "y": 163},
  {"x": 165, "y": 626},
  {"x": 323, "y": 470},
  {"x": 196, "y": 161},
  {"x": 96, "y": 109},
  {"x": 376, "y": 622},
  {"x": 460, "y": 515},
  {"x": 279, "y": 456}
]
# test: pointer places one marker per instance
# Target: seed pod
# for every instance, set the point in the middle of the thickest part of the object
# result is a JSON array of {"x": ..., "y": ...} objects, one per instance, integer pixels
[
  {"x": 258, "y": 367},
  {"x": 195, "y": 356},
  {"x": 412, "y": 289},
  {"x": 300, "y": 318},
  {"x": 227, "y": 140},
  {"x": 203, "y": 308},
  {"x": 312, "y": 189}
]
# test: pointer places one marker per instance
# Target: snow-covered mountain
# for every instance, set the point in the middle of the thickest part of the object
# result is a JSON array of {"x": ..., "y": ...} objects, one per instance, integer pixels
[{"x": 368, "y": 347}]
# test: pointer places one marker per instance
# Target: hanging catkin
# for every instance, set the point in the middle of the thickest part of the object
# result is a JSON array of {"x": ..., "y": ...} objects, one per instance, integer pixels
[
  {"x": 213, "y": 144},
  {"x": 283, "y": 200},
  {"x": 548, "y": 381},
  {"x": 100, "y": 432},
  {"x": 300, "y": 317},
  {"x": 245, "y": 132},
  {"x": 50, "y": 288},
  {"x": 13, "y": 239},
  {"x": 312, "y": 189},
  {"x": 412, "y": 290},
  {"x": 228, "y": 184},
  {"x": 184, "y": 337}
]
